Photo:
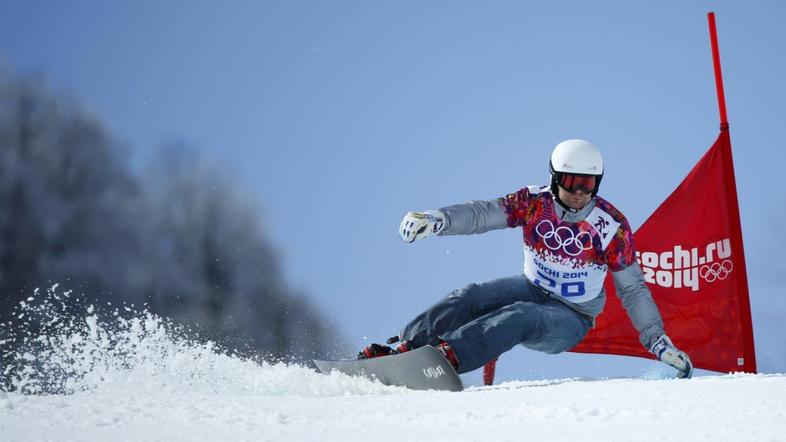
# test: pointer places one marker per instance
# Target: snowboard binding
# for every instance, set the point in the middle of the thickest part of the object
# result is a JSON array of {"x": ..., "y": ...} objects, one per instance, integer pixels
[{"x": 378, "y": 350}]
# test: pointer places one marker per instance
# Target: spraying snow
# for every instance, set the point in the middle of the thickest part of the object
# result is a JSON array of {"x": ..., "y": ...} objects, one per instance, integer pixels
[{"x": 124, "y": 375}]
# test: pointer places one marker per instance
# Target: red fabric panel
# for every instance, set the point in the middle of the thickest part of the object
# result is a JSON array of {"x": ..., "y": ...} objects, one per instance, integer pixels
[{"x": 691, "y": 252}]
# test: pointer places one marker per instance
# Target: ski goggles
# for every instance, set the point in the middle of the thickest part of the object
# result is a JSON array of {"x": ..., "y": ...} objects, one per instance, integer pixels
[{"x": 572, "y": 182}]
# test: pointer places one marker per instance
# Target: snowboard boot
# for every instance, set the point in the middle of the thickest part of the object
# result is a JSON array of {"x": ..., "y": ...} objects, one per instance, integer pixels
[
  {"x": 448, "y": 353},
  {"x": 377, "y": 350},
  {"x": 374, "y": 351},
  {"x": 403, "y": 346}
]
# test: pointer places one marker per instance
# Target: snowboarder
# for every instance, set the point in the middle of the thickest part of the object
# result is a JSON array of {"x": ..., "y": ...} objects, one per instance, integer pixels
[{"x": 572, "y": 237}]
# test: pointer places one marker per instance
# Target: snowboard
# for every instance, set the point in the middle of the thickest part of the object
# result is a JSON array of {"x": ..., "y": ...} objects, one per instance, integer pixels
[{"x": 421, "y": 369}]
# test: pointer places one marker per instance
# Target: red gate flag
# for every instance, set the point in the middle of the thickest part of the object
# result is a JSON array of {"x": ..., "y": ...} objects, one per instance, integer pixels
[
  {"x": 691, "y": 253},
  {"x": 693, "y": 260}
]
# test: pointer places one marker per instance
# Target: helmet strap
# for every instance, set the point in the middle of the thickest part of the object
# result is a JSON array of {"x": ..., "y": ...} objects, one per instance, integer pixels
[
  {"x": 555, "y": 195},
  {"x": 565, "y": 206}
]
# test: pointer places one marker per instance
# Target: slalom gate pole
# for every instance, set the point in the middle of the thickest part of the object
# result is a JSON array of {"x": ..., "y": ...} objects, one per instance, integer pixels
[
  {"x": 749, "y": 362},
  {"x": 488, "y": 372},
  {"x": 724, "y": 121}
]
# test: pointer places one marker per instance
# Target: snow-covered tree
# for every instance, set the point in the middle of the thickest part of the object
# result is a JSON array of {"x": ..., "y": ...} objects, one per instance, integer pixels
[{"x": 180, "y": 237}]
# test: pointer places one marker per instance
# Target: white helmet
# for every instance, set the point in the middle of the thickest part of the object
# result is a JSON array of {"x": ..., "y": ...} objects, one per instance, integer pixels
[{"x": 577, "y": 157}]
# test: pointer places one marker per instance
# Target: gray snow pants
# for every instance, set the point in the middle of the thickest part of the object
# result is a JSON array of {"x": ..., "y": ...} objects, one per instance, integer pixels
[{"x": 482, "y": 321}]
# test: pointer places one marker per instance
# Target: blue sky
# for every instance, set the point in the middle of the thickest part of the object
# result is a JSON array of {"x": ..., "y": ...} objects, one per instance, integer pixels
[{"x": 339, "y": 117}]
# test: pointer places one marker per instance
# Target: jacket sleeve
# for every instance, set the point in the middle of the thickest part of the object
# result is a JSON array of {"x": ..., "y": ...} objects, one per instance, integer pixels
[
  {"x": 637, "y": 300},
  {"x": 474, "y": 217}
]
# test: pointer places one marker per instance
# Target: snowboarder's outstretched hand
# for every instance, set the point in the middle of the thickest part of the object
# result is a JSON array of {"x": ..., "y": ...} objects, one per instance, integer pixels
[
  {"x": 668, "y": 353},
  {"x": 418, "y": 225}
]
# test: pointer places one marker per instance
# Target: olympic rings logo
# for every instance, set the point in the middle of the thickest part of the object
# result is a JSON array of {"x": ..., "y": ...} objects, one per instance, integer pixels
[
  {"x": 716, "y": 270},
  {"x": 563, "y": 238}
]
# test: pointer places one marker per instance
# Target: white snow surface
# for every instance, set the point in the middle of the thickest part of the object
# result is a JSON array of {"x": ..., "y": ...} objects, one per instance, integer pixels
[
  {"x": 139, "y": 379},
  {"x": 292, "y": 404}
]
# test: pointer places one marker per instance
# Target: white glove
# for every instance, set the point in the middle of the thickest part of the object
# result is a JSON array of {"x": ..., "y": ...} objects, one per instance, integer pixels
[
  {"x": 668, "y": 353},
  {"x": 418, "y": 225}
]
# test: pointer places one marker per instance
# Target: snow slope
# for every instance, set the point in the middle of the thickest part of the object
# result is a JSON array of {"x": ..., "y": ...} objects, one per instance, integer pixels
[
  {"x": 138, "y": 379},
  {"x": 291, "y": 404}
]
